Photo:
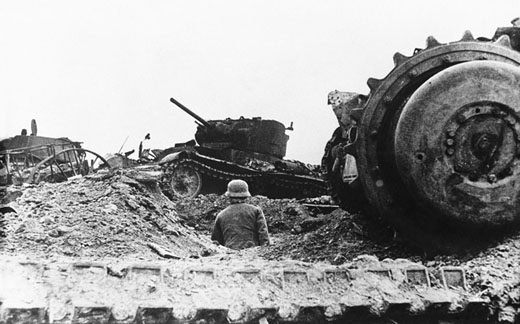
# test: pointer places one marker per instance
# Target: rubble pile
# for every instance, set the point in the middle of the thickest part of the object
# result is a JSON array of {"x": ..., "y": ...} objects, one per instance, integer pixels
[
  {"x": 495, "y": 275},
  {"x": 124, "y": 216},
  {"x": 281, "y": 214},
  {"x": 338, "y": 237},
  {"x": 304, "y": 233},
  {"x": 110, "y": 215}
]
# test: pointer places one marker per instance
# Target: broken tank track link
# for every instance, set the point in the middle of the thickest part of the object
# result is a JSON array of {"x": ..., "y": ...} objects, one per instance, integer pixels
[
  {"x": 187, "y": 292},
  {"x": 3, "y": 225},
  {"x": 256, "y": 179},
  {"x": 397, "y": 165}
]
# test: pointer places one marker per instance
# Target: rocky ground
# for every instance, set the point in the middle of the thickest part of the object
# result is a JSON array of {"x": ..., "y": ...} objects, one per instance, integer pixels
[
  {"x": 302, "y": 232},
  {"x": 124, "y": 215}
]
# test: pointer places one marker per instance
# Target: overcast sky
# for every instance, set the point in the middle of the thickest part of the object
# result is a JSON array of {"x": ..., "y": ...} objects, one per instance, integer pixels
[{"x": 101, "y": 71}]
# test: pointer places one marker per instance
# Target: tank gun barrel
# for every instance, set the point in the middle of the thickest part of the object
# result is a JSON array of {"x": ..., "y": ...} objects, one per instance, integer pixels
[{"x": 191, "y": 113}]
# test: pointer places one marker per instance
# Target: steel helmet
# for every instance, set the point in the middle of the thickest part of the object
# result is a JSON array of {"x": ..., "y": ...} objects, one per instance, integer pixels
[{"x": 237, "y": 189}]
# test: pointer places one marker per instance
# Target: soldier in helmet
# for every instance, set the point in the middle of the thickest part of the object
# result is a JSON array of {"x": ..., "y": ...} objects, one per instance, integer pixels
[{"x": 240, "y": 225}]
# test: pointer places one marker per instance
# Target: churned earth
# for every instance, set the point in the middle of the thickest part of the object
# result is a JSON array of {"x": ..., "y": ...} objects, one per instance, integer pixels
[{"x": 123, "y": 216}]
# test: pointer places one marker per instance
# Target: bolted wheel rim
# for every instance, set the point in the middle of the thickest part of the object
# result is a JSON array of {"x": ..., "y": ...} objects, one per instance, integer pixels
[
  {"x": 398, "y": 194},
  {"x": 186, "y": 182},
  {"x": 456, "y": 142}
]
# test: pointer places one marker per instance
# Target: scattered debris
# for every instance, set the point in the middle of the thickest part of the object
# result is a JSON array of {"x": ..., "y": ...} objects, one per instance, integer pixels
[
  {"x": 123, "y": 216},
  {"x": 162, "y": 252},
  {"x": 31, "y": 159}
]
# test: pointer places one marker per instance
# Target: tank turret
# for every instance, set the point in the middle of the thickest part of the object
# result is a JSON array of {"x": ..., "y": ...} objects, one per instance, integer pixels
[
  {"x": 254, "y": 135},
  {"x": 248, "y": 134},
  {"x": 252, "y": 149}
]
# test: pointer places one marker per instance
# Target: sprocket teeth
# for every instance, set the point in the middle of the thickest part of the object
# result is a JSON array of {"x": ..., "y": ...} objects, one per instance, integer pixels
[
  {"x": 399, "y": 58},
  {"x": 504, "y": 41},
  {"x": 356, "y": 114},
  {"x": 467, "y": 37},
  {"x": 432, "y": 42},
  {"x": 373, "y": 83}
]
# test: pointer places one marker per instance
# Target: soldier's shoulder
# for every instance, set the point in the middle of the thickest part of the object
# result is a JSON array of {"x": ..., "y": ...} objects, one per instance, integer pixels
[
  {"x": 222, "y": 212},
  {"x": 255, "y": 207}
]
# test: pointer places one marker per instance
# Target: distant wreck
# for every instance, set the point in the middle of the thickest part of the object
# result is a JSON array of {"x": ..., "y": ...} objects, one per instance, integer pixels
[
  {"x": 251, "y": 149},
  {"x": 32, "y": 158}
]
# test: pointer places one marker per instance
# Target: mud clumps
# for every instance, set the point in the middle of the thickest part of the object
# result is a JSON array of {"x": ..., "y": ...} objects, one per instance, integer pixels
[
  {"x": 111, "y": 216},
  {"x": 305, "y": 233},
  {"x": 123, "y": 216}
]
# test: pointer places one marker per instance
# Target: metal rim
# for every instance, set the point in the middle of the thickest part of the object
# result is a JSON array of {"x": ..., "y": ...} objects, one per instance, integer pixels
[
  {"x": 374, "y": 147},
  {"x": 185, "y": 181},
  {"x": 454, "y": 150},
  {"x": 77, "y": 159}
]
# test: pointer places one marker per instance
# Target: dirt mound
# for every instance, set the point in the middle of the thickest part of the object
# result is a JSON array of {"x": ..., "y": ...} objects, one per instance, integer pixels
[
  {"x": 337, "y": 237},
  {"x": 107, "y": 215},
  {"x": 282, "y": 215},
  {"x": 124, "y": 216},
  {"x": 301, "y": 232}
]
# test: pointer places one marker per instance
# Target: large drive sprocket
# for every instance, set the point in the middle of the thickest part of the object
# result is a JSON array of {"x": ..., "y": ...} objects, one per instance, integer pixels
[{"x": 439, "y": 141}]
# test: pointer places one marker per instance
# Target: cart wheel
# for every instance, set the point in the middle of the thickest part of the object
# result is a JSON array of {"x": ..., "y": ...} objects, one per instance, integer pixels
[{"x": 185, "y": 182}]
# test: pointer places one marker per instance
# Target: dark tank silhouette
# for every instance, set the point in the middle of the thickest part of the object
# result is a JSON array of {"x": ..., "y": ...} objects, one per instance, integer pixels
[
  {"x": 251, "y": 149},
  {"x": 434, "y": 148}
]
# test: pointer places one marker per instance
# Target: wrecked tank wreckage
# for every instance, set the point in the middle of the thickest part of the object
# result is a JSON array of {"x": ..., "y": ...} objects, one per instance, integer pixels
[
  {"x": 229, "y": 288},
  {"x": 251, "y": 149},
  {"x": 434, "y": 148},
  {"x": 32, "y": 158}
]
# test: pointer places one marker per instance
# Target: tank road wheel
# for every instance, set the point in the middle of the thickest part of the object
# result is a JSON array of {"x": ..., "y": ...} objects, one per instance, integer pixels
[
  {"x": 185, "y": 181},
  {"x": 438, "y": 147}
]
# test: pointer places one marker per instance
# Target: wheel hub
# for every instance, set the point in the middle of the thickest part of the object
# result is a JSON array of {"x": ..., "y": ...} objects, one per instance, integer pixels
[
  {"x": 482, "y": 142},
  {"x": 456, "y": 143},
  {"x": 185, "y": 181}
]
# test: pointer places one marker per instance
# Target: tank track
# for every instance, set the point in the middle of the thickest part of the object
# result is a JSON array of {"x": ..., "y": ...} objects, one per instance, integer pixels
[
  {"x": 381, "y": 178},
  {"x": 228, "y": 292},
  {"x": 224, "y": 171},
  {"x": 3, "y": 222},
  {"x": 3, "y": 225}
]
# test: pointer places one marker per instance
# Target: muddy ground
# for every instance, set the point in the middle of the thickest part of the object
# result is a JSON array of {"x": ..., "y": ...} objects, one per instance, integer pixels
[{"x": 124, "y": 215}]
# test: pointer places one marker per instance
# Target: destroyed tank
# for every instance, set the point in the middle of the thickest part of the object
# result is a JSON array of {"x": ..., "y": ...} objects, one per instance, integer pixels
[
  {"x": 31, "y": 158},
  {"x": 251, "y": 149},
  {"x": 436, "y": 143},
  {"x": 230, "y": 288}
]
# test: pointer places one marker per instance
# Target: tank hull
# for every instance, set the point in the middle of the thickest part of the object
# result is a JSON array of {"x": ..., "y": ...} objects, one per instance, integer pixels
[{"x": 188, "y": 173}]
